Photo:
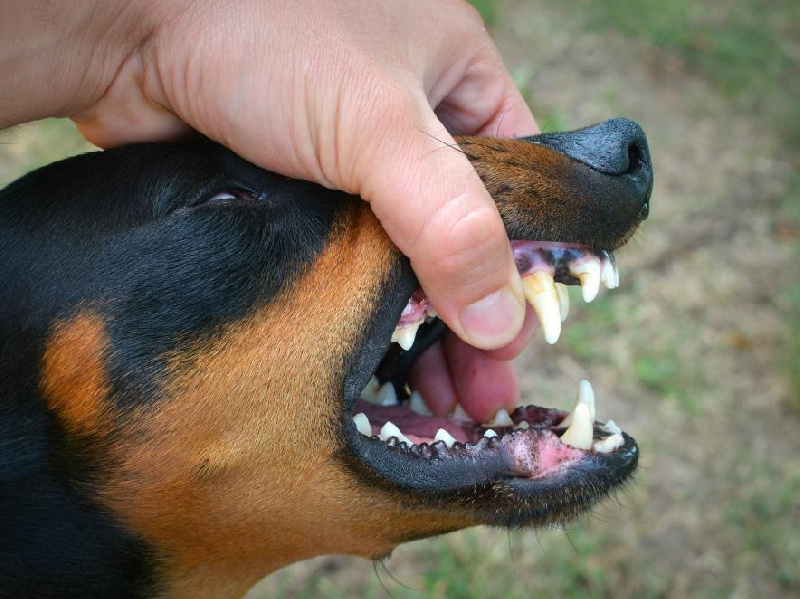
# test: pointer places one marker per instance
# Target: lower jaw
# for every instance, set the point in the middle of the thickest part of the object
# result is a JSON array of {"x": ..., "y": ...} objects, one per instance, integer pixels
[{"x": 532, "y": 447}]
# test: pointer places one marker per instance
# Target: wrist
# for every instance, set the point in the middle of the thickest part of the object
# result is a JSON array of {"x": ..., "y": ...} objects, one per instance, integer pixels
[{"x": 56, "y": 59}]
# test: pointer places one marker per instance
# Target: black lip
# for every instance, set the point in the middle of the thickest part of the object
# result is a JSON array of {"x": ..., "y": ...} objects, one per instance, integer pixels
[{"x": 601, "y": 472}]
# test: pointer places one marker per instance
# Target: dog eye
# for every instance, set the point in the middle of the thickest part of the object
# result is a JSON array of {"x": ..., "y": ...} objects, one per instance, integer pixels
[{"x": 234, "y": 194}]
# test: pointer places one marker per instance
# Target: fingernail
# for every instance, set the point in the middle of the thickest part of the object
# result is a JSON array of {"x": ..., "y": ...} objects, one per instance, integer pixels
[{"x": 495, "y": 320}]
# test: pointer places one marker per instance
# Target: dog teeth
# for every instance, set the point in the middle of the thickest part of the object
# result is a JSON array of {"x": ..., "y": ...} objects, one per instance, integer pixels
[
  {"x": 405, "y": 336},
  {"x": 540, "y": 291},
  {"x": 390, "y": 430},
  {"x": 386, "y": 396},
  {"x": 459, "y": 414},
  {"x": 443, "y": 435},
  {"x": 416, "y": 403},
  {"x": 609, "y": 444},
  {"x": 563, "y": 300},
  {"x": 523, "y": 425},
  {"x": 362, "y": 424},
  {"x": 585, "y": 396},
  {"x": 588, "y": 272},
  {"x": 612, "y": 427},
  {"x": 370, "y": 391},
  {"x": 579, "y": 433},
  {"x": 489, "y": 433},
  {"x": 610, "y": 274},
  {"x": 501, "y": 418}
]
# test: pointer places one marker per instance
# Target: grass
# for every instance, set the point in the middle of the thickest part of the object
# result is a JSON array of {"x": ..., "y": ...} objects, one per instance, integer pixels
[{"x": 745, "y": 48}]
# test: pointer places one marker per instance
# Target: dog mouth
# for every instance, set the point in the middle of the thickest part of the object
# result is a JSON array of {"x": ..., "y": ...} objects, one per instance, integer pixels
[{"x": 394, "y": 431}]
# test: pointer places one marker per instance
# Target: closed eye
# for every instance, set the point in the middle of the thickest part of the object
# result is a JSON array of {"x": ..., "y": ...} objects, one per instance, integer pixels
[{"x": 233, "y": 195}]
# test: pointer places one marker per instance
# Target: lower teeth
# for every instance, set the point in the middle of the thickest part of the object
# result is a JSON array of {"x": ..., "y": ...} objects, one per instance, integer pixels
[{"x": 579, "y": 433}]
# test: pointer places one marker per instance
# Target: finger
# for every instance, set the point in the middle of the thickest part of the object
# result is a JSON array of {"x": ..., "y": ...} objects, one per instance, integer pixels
[
  {"x": 486, "y": 101},
  {"x": 134, "y": 117},
  {"x": 436, "y": 209}
]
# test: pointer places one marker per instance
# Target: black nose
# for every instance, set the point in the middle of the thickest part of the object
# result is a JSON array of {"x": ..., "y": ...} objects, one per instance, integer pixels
[{"x": 617, "y": 147}]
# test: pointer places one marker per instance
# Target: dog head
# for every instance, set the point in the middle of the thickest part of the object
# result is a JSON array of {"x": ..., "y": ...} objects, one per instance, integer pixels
[{"x": 186, "y": 339}]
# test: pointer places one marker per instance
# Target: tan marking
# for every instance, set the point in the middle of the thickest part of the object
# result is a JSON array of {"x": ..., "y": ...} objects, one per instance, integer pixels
[
  {"x": 74, "y": 380},
  {"x": 232, "y": 475}
]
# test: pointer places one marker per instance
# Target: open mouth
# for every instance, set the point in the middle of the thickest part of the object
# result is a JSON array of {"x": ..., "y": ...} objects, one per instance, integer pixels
[{"x": 394, "y": 430}]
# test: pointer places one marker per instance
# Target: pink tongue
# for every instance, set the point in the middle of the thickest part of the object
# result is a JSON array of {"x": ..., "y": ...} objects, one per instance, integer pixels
[{"x": 452, "y": 371}]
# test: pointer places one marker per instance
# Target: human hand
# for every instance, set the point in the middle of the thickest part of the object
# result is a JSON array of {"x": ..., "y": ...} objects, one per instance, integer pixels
[{"x": 340, "y": 92}]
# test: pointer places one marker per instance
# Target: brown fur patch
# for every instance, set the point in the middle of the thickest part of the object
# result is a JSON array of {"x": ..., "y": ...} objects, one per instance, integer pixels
[
  {"x": 231, "y": 474},
  {"x": 74, "y": 380}
]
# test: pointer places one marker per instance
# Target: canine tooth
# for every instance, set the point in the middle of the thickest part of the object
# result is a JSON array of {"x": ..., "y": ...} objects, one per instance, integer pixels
[
  {"x": 501, "y": 418},
  {"x": 390, "y": 430},
  {"x": 416, "y": 403},
  {"x": 563, "y": 300},
  {"x": 610, "y": 275},
  {"x": 443, "y": 435},
  {"x": 386, "y": 395},
  {"x": 585, "y": 395},
  {"x": 612, "y": 427},
  {"x": 589, "y": 274},
  {"x": 579, "y": 433},
  {"x": 540, "y": 291},
  {"x": 405, "y": 336},
  {"x": 362, "y": 424},
  {"x": 609, "y": 444},
  {"x": 522, "y": 425},
  {"x": 369, "y": 392},
  {"x": 489, "y": 433},
  {"x": 459, "y": 413}
]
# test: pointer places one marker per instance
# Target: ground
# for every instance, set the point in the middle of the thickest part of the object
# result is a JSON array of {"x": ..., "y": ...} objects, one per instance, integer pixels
[{"x": 697, "y": 354}]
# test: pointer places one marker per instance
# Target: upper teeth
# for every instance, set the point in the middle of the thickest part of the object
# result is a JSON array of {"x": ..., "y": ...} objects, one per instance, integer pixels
[
  {"x": 540, "y": 291},
  {"x": 416, "y": 403},
  {"x": 405, "y": 336},
  {"x": 588, "y": 272}
]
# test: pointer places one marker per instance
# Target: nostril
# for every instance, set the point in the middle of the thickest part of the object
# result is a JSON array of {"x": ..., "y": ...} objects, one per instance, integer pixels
[{"x": 636, "y": 157}]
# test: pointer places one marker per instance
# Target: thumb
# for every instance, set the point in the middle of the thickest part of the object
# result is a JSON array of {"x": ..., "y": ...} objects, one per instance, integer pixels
[{"x": 435, "y": 208}]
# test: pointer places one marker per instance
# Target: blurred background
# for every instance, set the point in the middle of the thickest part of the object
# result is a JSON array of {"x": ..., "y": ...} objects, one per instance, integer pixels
[{"x": 697, "y": 355}]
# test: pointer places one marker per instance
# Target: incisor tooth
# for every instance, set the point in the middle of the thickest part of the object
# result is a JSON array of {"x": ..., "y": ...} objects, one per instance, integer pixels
[
  {"x": 563, "y": 300},
  {"x": 443, "y": 435},
  {"x": 609, "y": 275},
  {"x": 579, "y": 433},
  {"x": 540, "y": 291},
  {"x": 522, "y": 425},
  {"x": 609, "y": 444},
  {"x": 362, "y": 424},
  {"x": 501, "y": 418},
  {"x": 585, "y": 395},
  {"x": 589, "y": 274},
  {"x": 386, "y": 395},
  {"x": 612, "y": 427},
  {"x": 369, "y": 392},
  {"x": 390, "y": 430},
  {"x": 459, "y": 413},
  {"x": 405, "y": 336},
  {"x": 416, "y": 403},
  {"x": 489, "y": 433}
]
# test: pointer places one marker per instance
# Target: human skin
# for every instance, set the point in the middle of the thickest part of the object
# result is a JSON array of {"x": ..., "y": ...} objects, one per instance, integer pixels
[{"x": 358, "y": 95}]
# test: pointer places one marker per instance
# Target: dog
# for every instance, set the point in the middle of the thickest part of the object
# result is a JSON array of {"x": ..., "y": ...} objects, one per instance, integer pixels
[{"x": 194, "y": 359}]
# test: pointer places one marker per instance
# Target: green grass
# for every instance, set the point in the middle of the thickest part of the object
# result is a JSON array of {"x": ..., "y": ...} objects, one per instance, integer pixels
[
  {"x": 744, "y": 48},
  {"x": 487, "y": 9}
]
